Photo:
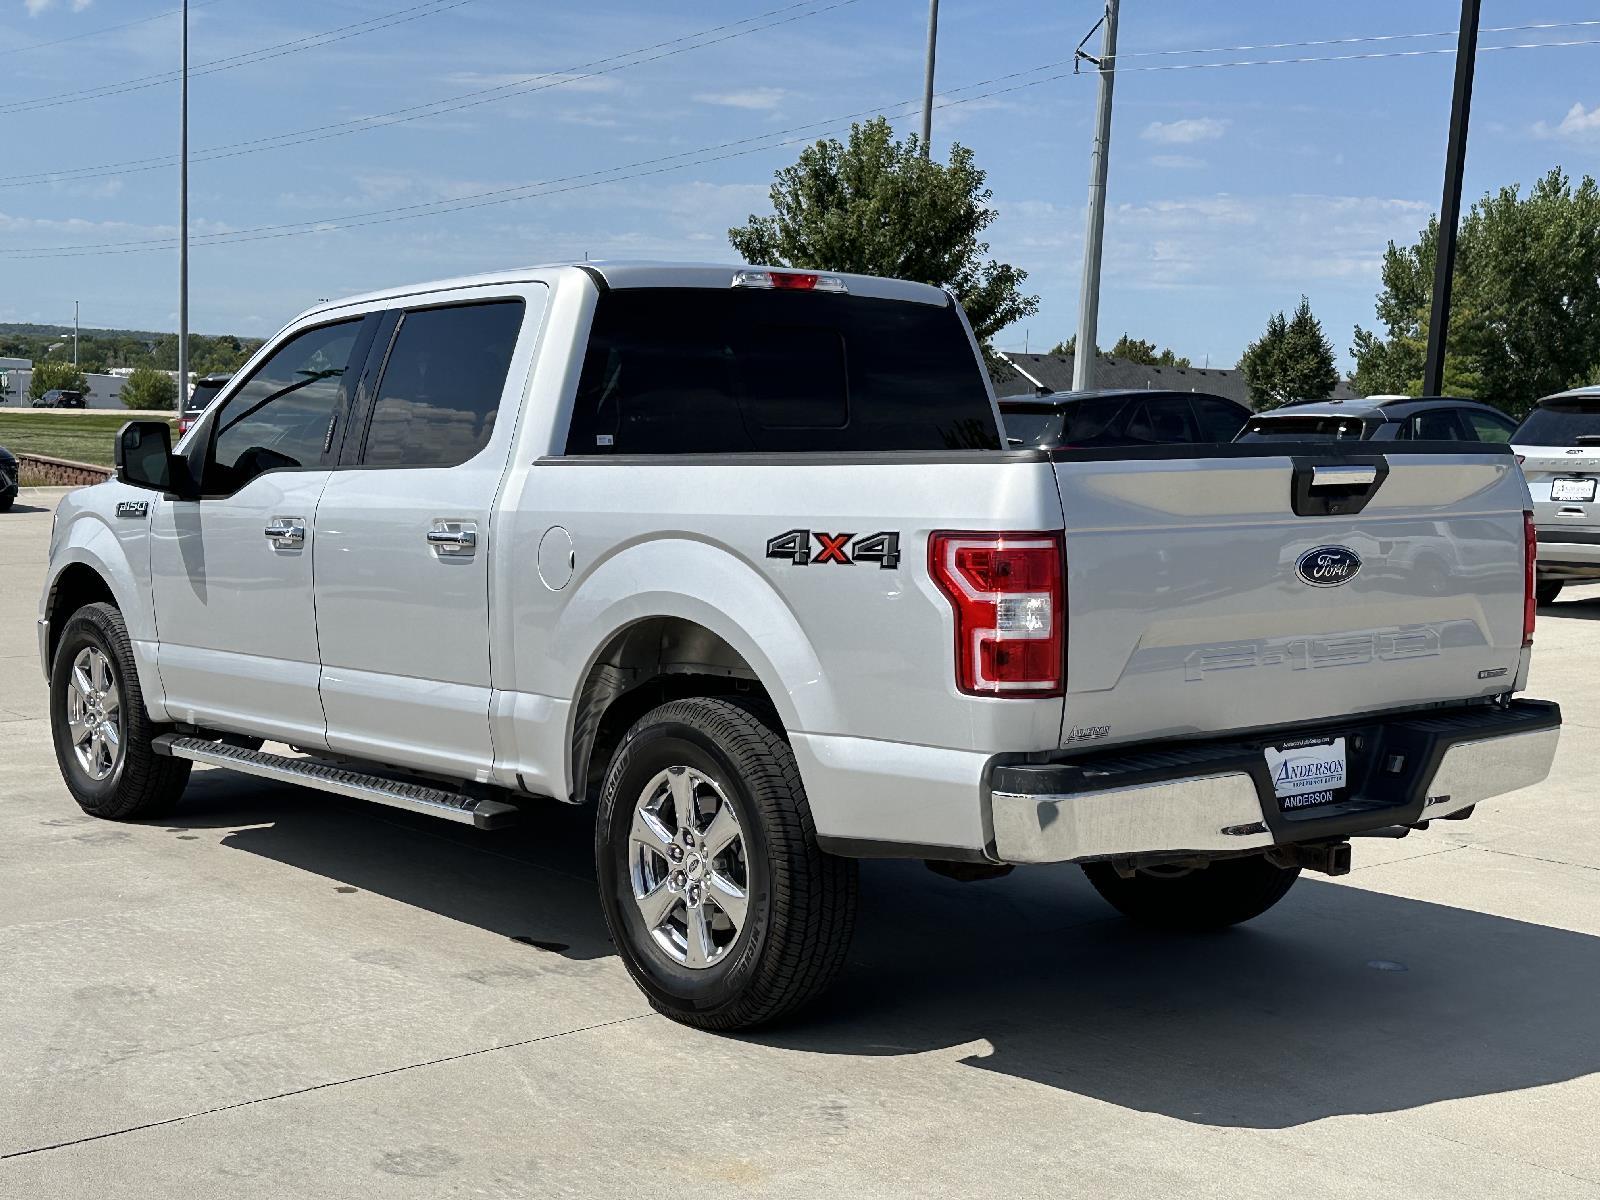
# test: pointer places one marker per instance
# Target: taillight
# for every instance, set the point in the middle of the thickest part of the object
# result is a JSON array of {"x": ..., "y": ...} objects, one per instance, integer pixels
[
  {"x": 1530, "y": 558},
  {"x": 1009, "y": 601},
  {"x": 792, "y": 281}
]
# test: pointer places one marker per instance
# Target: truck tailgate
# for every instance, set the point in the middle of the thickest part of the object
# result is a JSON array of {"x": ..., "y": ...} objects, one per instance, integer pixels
[{"x": 1241, "y": 590}]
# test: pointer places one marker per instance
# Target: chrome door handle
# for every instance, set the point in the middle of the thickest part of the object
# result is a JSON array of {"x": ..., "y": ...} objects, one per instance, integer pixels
[
  {"x": 286, "y": 533},
  {"x": 453, "y": 539}
]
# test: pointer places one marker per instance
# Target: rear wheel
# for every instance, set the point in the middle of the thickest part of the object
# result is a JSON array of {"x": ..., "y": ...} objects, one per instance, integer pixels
[
  {"x": 725, "y": 911},
  {"x": 101, "y": 731},
  {"x": 1226, "y": 892},
  {"x": 1546, "y": 590}
]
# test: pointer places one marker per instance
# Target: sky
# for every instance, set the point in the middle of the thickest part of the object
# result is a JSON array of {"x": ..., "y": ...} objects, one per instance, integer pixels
[{"x": 539, "y": 132}]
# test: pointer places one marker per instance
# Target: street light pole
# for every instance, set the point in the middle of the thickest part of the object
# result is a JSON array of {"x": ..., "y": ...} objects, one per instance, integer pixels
[
  {"x": 1083, "y": 361},
  {"x": 74, "y": 333},
  {"x": 183, "y": 229},
  {"x": 1455, "y": 159},
  {"x": 927, "y": 82}
]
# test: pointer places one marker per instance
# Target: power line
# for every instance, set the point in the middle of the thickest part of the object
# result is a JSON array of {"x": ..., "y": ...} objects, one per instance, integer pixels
[
  {"x": 647, "y": 167},
  {"x": 1347, "y": 41},
  {"x": 313, "y": 41},
  {"x": 448, "y": 104},
  {"x": 90, "y": 33},
  {"x": 1324, "y": 58}
]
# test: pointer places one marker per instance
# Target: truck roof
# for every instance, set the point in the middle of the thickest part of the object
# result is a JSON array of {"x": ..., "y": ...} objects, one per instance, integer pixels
[{"x": 644, "y": 274}]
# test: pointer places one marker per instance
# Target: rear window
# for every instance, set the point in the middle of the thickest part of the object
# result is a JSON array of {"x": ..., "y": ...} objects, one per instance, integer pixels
[
  {"x": 1566, "y": 423},
  {"x": 702, "y": 371},
  {"x": 1303, "y": 429}
]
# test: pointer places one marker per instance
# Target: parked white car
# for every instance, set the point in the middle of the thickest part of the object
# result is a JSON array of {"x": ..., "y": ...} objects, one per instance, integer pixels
[
  {"x": 1558, "y": 446},
  {"x": 735, "y": 554}
]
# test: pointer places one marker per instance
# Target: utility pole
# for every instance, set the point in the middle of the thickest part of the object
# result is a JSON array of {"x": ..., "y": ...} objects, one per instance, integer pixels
[
  {"x": 74, "y": 333},
  {"x": 1083, "y": 361},
  {"x": 927, "y": 82},
  {"x": 1455, "y": 159},
  {"x": 183, "y": 230}
]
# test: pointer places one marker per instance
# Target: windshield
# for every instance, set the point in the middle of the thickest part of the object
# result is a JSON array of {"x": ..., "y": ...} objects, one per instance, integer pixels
[
  {"x": 1562, "y": 423},
  {"x": 1303, "y": 429}
]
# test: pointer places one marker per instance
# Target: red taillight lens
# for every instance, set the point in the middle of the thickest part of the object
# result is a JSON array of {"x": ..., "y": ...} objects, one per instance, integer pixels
[
  {"x": 1009, "y": 601},
  {"x": 799, "y": 281},
  {"x": 1530, "y": 543}
]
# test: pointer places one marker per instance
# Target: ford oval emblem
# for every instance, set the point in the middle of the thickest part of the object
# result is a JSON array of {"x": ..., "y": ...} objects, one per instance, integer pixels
[{"x": 1328, "y": 566}]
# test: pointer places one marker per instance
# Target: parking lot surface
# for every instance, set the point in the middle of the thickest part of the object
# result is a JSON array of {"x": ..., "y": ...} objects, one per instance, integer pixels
[{"x": 283, "y": 993}]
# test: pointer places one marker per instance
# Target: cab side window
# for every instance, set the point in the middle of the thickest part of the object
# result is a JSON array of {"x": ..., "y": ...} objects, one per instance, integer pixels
[
  {"x": 1436, "y": 425},
  {"x": 282, "y": 417},
  {"x": 441, "y": 386},
  {"x": 1162, "y": 422},
  {"x": 1489, "y": 427}
]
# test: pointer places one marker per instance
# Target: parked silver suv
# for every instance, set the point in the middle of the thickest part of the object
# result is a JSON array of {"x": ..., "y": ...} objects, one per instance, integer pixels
[{"x": 1559, "y": 448}]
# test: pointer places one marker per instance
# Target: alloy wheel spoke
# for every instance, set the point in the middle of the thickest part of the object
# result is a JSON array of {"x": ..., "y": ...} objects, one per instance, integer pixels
[
  {"x": 724, "y": 828},
  {"x": 112, "y": 704},
  {"x": 682, "y": 785},
  {"x": 81, "y": 683},
  {"x": 656, "y": 905},
  {"x": 111, "y": 738},
  {"x": 697, "y": 936},
  {"x": 99, "y": 670},
  {"x": 729, "y": 897},
  {"x": 649, "y": 831}
]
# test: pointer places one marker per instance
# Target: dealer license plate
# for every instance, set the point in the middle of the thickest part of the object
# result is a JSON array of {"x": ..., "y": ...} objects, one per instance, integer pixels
[
  {"x": 1581, "y": 490},
  {"x": 1307, "y": 772}
]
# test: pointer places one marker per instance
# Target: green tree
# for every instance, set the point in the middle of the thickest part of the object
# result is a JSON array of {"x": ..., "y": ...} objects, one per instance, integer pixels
[
  {"x": 1070, "y": 346},
  {"x": 1292, "y": 360},
  {"x": 878, "y": 207},
  {"x": 47, "y": 375},
  {"x": 1140, "y": 351},
  {"x": 1525, "y": 300},
  {"x": 149, "y": 389}
]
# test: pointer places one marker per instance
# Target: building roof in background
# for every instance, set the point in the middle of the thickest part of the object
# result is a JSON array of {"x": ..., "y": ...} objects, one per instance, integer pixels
[{"x": 1053, "y": 372}]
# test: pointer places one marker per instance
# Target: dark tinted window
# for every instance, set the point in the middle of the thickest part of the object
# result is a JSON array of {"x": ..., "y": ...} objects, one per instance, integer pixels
[
  {"x": 1435, "y": 425},
  {"x": 1220, "y": 420},
  {"x": 1487, "y": 426},
  {"x": 1564, "y": 423},
  {"x": 1303, "y": 429},
  {"x": 441, "y": 386},
  {"x": 698, "y": 370},
  {"x": 1031, "y": 426},
  {"x": 282, "y": 416},
  {"x": 1161, "y": 422}
]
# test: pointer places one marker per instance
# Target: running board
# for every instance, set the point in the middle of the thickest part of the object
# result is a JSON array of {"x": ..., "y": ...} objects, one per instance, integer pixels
[{"x": 435, "y": 802}]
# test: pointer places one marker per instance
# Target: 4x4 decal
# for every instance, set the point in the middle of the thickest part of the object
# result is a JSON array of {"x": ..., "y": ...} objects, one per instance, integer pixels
[{"x": 882, "y": 548}]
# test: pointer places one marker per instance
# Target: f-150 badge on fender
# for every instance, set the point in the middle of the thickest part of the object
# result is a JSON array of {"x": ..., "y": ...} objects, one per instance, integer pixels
[{"x": 1328, "y": 566}]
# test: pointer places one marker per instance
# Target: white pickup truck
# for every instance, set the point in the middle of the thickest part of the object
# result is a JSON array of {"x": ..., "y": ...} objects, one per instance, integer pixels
[{"x": 736, "y": 555}]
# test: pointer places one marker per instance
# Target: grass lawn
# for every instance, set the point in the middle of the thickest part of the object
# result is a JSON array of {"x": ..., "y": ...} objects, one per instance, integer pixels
[{"x": 84, "y": 438}]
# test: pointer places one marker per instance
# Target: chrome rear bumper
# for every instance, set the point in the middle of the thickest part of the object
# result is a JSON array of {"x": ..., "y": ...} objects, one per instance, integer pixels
[{"x": 1216, "y": 797}]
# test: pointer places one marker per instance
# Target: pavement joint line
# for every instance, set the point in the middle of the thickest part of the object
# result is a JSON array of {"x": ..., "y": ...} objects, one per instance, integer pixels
[
  {"x": 1559, "y": 862},
  {"x": 1412, "y": 858},
  {"x": 317, "y": 1087},
  {"x": 1516, "y": 1158}
]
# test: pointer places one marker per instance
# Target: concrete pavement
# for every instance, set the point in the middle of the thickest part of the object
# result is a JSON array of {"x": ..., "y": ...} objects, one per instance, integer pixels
[{"x": 279, "y": 993}]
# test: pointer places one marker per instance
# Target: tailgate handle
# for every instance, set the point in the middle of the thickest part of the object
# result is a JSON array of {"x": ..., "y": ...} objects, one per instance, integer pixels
[
  {"x": 1335, "y": 486},
  {"x": 1322, "y": 477}
]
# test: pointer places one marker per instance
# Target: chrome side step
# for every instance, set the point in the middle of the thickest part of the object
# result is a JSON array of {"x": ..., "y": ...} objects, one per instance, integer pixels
[{"x": 435, "y": 802}]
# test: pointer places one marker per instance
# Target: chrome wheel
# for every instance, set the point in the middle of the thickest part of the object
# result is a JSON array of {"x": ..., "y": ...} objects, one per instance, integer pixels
[
  {"x": 94, "y": 714},
  {"x": 686, "y": 859}
]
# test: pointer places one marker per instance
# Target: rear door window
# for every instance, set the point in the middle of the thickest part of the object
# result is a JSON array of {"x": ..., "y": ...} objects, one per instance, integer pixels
[
  {"x": 703, "y": 371},
  {"x": 1161, "y": 422},
  {"x": 1219, "y": 420},
  {"x": 1486, "y": 426},
  {"x": 1435, "y": 425},
  {"x": 441, "y": 385}
]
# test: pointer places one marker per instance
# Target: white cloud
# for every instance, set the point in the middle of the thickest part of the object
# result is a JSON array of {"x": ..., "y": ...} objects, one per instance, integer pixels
[
  {"x": 1176, "y": 162},
  {"x": 1578, "y": 123},
  {"x": 761, "y": 98},
  {"x": 35, "y": 7},
  {"x": 1185, "y": 132}
]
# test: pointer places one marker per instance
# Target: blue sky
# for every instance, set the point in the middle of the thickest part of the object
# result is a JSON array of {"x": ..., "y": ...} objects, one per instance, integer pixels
[{"x": 1232, "y": 190}]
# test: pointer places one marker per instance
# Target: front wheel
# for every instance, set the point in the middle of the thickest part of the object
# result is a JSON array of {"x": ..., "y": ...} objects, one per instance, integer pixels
[
  {"x": 1226, "y": 892},
  {"x": 724, "y": 909},
  {"x": 102, "y": 733},
  {"x": 1546, "y": 590}
]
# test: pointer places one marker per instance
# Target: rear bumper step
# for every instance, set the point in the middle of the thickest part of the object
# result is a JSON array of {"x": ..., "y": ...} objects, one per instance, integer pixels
[
  {"x": 435, "y": 802},
  {"x": 1217, "y": 797}
]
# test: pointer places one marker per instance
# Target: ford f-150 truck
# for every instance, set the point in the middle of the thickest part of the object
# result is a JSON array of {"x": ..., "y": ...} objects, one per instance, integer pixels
[{"x": 738, "y": 555}]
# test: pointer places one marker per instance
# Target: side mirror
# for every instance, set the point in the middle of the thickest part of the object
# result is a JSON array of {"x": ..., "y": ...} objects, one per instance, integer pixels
[{"x": 145, "y": 460}]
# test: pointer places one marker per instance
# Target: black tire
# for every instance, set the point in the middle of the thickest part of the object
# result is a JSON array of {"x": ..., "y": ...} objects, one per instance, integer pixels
[
  {"x": 143, "y": 783},
  {"x": 6, "y": 500},
  {"x": 1225, "y": 893},
  {"x": 801, "y": 903},
  {"x": 1546, "y": 590}
]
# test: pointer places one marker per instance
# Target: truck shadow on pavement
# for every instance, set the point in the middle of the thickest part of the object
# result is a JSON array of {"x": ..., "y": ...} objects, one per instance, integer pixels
[{"x": 1339, "y": 1001}]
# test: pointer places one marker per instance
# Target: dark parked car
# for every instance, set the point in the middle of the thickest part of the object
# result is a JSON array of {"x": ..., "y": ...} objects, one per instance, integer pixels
[
  {"x": 200, "y": 397},
  {"x": 1121, "y": 417},
  {"x": 1382, "y": 419},
  {"x": 8, "y": 478},
  {"x": 60, "y": 398}
]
